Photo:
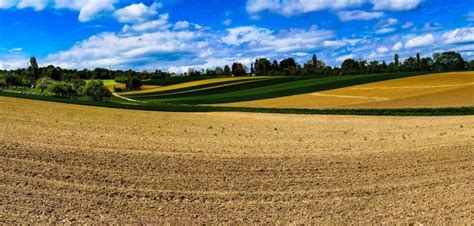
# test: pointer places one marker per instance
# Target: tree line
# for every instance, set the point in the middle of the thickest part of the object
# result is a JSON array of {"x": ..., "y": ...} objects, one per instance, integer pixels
[{"x": 70, "y": 82}]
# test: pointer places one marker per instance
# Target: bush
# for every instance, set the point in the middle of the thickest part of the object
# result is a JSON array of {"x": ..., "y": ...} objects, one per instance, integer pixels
[
  {"x": 78, "y": 86},
  {"x": 43, "y": 83},
  {"x": 134, "y": 83},
  {"x": 96, "y": 90},
  {"x": 3, "y": 84},
  {"x": 59, "y": 89},
  {"x": 12, "y": 79}
]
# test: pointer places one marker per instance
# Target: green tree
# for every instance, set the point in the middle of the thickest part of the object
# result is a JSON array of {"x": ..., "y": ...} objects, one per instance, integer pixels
[
  {"x": 227, "y": 71},
  {"x": 238, "y": 69},
  {"x": 134, "y": 83},
  {"x": 448, "y": 61},
  {"x": 59, "y": 88},
  {"x": 33, "y": 71},
  {"x": 262, "y": 67},
  {"x": 43, "y": 83},
  {"x": 96, "y": 90},
  {"x": 350, "y": 67}
]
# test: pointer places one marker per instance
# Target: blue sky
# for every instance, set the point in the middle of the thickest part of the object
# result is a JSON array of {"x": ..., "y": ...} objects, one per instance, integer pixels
[{"x": 177, "y": 34}]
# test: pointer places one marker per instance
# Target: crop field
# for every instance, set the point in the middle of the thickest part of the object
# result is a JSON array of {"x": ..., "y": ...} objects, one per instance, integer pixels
[
  {"x": 199, "y": 84},
  {"x": 432, "y": 91},
  {"x": 228, "y": 90},
  {"x": 80, "y": 164}
]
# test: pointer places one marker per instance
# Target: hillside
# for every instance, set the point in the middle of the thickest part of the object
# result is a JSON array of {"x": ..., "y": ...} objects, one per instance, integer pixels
[{"x": 425, "y": 91}]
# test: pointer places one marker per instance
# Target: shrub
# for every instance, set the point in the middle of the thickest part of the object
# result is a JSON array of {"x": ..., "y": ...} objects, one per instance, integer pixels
[
  {"x": 78, "y": 86},
  {"x": 43, "y": 83},
  {"x": 134, "y": 83},
  {"x": 12, "y": 79},
  {"x": 96, "y": 90},
  {"x": 59, "y": 89}
]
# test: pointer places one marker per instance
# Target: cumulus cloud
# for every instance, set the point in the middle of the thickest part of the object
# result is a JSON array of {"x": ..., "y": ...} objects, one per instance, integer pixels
[
  {"x": 88, "y": 9},
  {"x": 420, "y": 41},
  {"x": 460, "y": 35},
  {"x": 161, "y": 23},
  {"x": 282, "y": 41},
  {"x": 292, "y": 7},
  {"x": 359, "y": 15},
  {"x": 136, "y": 13},
  {"x": 385, "y": 30}
]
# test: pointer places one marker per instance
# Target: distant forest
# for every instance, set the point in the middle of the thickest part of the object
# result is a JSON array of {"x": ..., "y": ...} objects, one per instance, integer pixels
[{"x": 440, "y": 62}]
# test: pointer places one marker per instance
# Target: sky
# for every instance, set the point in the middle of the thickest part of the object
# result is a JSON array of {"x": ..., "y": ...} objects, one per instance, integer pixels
[{"x": 174, "y": 35}]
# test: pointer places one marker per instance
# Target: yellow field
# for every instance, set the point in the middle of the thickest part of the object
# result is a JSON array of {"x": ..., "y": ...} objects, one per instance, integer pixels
[
  {"x": 189, "y": 84},
  {"x": 434, "y": 90}
]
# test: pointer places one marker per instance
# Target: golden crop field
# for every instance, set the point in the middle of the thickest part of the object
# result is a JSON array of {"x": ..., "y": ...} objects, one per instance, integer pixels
[
  {"x": 188, "y": 84},
  {"x": 63, "y": 163},
  {"x": 434, "y": 90}
]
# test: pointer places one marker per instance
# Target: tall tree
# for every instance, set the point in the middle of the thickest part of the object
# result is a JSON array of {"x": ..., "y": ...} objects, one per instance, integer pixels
[
  {"x": 396, "y": 60},
  {"x": 227, "y": 71},
  {"x": 418, "y": 61},
  {"x": 33, "y": 71}
]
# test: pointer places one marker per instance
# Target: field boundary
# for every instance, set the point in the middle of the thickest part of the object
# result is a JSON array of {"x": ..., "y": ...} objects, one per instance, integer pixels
[{"x": 457, "y": 111}]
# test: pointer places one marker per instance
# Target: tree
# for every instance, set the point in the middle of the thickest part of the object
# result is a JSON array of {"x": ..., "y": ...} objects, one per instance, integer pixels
[
  {"x": 448, "y": 61},
  {"x": 59, "y": 88},
  {"x": 33, "y": 71},
  {"x": 262, "y": 67},
  {"x": 238, "y": 69},
  {"x": 287, "y": 64},
  {"x": 96, "y": 90},
  {"x": 219, "y": 71},
  {"x": 227, "y": 71},
  {"x": 134, "y": 83},
  {"x": 396, "y": 61},
  {"x": 53, "y": 73},
  {"x": 418, "y": 61},
  {"x": 471, "y": 65},
  {"x": 350, "y": 67},
  {"x": 13, "y": 79},
  {"x": 43, "y": 83},
  {"x": 410, "y": 64}
]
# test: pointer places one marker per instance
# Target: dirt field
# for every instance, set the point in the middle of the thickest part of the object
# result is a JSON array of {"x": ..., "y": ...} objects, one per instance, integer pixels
[
  {"x": 434, "y": 90},
  {"x": 67, "y": 163}
]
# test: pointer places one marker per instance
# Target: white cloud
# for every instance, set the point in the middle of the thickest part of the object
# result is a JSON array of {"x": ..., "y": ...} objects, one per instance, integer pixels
[
  {"x": 88, "y": 9},
  {"x": 136, "y": 13},
  {"x": 292, "y": 7},
  {"x": 385, "y": 30},
  {"x": 35, "y": 4},
  {"x": 181, "y": 25},
  {"x": 407, "y": 25},
  {"x": 227, "y": 22},
  {"x": 396, "y": 5},
  {"x": 420, "y": 41},
  {"x": 382, "y": 50},
  {"x": 261, "y": 39},
  {"x": 359, "y": 15},
  {"x": 158, "y": 24},
  {"x": 344, "y": 57},
  {"x": 460, "y": 35},
  {"x": 398, "y": 46}
]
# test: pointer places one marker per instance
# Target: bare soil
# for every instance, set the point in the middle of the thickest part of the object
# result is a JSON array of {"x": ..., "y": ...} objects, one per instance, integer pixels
[{"x": 67, "y": 163}]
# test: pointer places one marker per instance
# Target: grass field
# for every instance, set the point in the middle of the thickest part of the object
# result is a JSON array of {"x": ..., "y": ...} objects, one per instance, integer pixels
[
  {"x": 63, "y": 163},
  {"x": 430, "y": 91},
  {"x": 255, "y": 89}
]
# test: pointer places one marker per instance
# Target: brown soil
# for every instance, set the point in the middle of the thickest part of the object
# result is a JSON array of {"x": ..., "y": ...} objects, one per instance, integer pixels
[{"x": 68, "y": 163}]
